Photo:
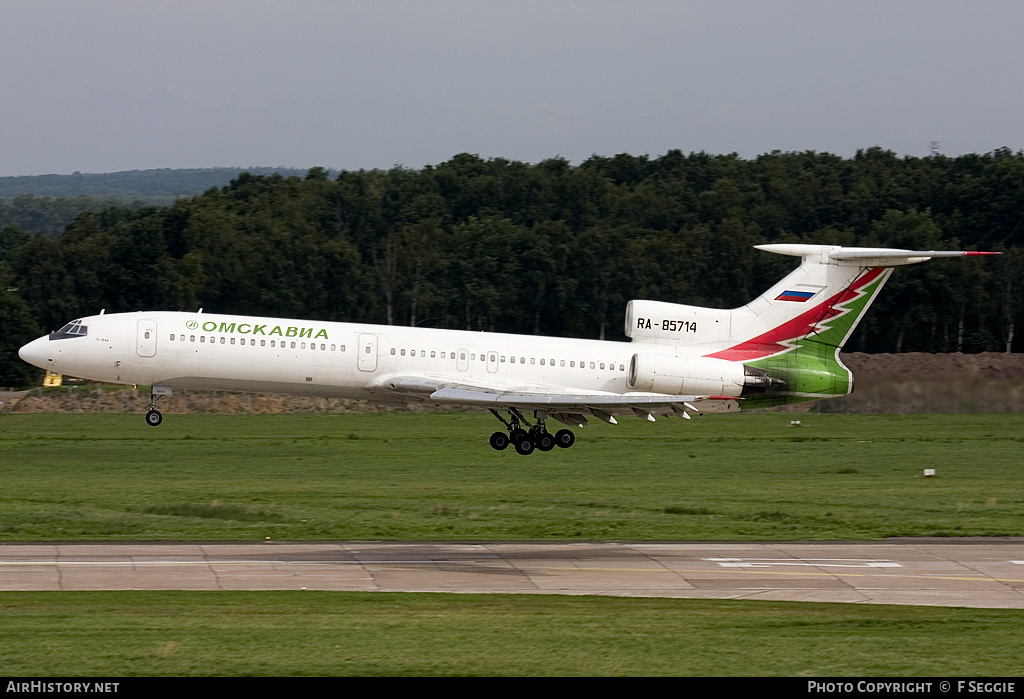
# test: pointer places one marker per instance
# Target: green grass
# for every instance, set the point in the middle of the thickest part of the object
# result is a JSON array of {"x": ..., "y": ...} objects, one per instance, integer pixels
[
  {"x": 321, "y": 633},
  {"x": 404, "y": 476}
]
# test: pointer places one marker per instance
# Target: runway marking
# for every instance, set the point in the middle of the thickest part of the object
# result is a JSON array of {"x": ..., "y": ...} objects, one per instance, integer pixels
[
  {"x": 764, "y": 562},
  {"x": 805, "y": 574}
]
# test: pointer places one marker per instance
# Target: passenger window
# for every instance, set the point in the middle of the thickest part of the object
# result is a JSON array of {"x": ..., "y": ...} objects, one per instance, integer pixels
[
  {"x": 432, "y": 355},
  {"x": 392, "y": 351},
  {"x": 403, "y": 353},
  {"x": 232, "y": 340},
  {"x": 172, "y": 337},
  {"x": 293, "y": 345},
  {"x": 263, "y": 343},
  {"x": 191, "y": 338}
]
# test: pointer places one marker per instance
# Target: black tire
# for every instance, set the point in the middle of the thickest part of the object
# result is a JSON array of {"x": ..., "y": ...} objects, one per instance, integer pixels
[
  {"x": 565, "y": 438},
  {"x": 154, "y": 418},
  {"x": 518, "y": 435},
  {"x": 544, "y": 441},
  {"x": 524, "y": 447},
  {"x": 499, "y": 441}
]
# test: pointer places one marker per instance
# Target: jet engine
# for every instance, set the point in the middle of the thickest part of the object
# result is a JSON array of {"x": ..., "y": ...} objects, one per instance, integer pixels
[{"x": 681, "y": 375}]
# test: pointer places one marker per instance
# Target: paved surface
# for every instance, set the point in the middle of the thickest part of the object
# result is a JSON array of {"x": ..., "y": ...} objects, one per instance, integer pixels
[{"x": 927, "y": 572}]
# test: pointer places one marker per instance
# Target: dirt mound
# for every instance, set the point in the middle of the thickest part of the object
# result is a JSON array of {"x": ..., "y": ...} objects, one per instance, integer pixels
[
  {"x": 98, "y": 399},
  {"x": 921, "y": 366}
]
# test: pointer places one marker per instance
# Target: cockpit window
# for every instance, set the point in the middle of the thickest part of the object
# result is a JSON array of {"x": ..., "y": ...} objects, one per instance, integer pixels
[{"x": 72, "y": 329}]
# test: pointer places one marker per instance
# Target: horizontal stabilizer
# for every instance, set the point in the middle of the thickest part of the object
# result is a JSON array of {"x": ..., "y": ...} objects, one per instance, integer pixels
[
  {"x": 866, "y": 257},
  {"x": 877, "y": 257}
]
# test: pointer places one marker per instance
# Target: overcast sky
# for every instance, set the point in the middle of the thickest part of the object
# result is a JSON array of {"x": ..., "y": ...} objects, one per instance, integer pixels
[{"x": 109, "y": 85}]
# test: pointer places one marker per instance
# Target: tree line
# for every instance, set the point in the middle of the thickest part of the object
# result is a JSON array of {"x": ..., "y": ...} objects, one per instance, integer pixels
[{"x": 546, "y": 248}]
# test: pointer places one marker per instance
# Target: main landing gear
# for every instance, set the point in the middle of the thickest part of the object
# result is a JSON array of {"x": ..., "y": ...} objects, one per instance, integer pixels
[
  {"x": 535, "y": 437},
  {"x": 153, "y": 416}
]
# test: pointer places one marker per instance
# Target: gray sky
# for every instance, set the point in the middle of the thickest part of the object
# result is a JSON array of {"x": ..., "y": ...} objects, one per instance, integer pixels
[{"x": 108, "y": 85}]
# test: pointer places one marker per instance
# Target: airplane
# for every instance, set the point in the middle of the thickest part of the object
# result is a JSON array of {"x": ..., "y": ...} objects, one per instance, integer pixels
[{"x": 782, "y": 347}]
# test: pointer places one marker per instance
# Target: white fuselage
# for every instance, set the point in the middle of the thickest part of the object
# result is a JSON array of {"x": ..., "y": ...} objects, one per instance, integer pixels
[{"x": 345, "y": 360}]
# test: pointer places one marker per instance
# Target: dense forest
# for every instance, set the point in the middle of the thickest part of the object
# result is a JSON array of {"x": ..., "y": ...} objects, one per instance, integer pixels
[{"x": 547, "y": 248}]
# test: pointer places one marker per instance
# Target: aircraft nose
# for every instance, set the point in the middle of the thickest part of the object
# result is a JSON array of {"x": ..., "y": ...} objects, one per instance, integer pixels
[{"x": 37, "y": 352}]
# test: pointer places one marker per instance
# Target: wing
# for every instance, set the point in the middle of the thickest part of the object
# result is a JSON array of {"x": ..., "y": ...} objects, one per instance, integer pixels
[{"x": 569, "y": 407}]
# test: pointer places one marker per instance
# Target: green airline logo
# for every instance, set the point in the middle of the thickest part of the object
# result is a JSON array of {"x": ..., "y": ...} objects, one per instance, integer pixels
[{"x": 257, "y": 329}]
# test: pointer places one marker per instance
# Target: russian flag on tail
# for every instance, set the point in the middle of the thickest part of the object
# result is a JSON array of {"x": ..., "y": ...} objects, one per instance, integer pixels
[{"x": 799, "y": 296}]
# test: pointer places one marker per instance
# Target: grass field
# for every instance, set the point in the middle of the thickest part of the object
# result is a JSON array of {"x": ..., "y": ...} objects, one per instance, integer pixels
[
  {"x": 323, "y": 633},
  {"x": 405, "y": 476}
]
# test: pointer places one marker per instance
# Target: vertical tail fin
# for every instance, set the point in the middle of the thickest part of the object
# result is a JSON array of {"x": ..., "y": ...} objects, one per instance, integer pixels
[
  {"x": 791, "y": 335},
  {"x": 795, "y": 330}
]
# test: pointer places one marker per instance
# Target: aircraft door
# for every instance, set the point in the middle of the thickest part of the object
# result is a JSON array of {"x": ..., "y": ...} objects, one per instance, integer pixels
[
  {"x": 367, "y": 353},
  {"x": 145, "y": 344},
  {"x": 462, "y": 363},
  {"x": 492, "y": 362}
]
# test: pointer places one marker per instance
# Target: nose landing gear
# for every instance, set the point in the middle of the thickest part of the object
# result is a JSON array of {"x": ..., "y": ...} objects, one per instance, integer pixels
[
  {"x": 526, "y": 441},
  {"x": 153, "y": 416}
]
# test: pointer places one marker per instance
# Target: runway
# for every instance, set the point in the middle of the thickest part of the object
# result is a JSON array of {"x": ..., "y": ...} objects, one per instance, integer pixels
[{"x": 934, "y": 572}]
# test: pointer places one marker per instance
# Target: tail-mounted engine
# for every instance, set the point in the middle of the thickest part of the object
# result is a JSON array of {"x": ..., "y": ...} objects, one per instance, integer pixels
[{"x": 681, "y": 375}]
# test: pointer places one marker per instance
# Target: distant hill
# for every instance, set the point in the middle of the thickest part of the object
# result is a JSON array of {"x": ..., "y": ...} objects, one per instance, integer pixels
[
  {"x": 48, "y": 203},
  {"x": 131, "y": 185}
]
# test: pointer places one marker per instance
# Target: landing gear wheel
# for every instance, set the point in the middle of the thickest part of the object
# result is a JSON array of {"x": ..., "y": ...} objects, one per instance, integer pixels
[
  {"x": 499, "y": 440},
  {"x": 524, "y": 446},
  {"x": 518, "y": 435},
  {"x": 544, "y": 441},
  {"x": 154, "y": 418},
  {"x": 565, "y": 438}
]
